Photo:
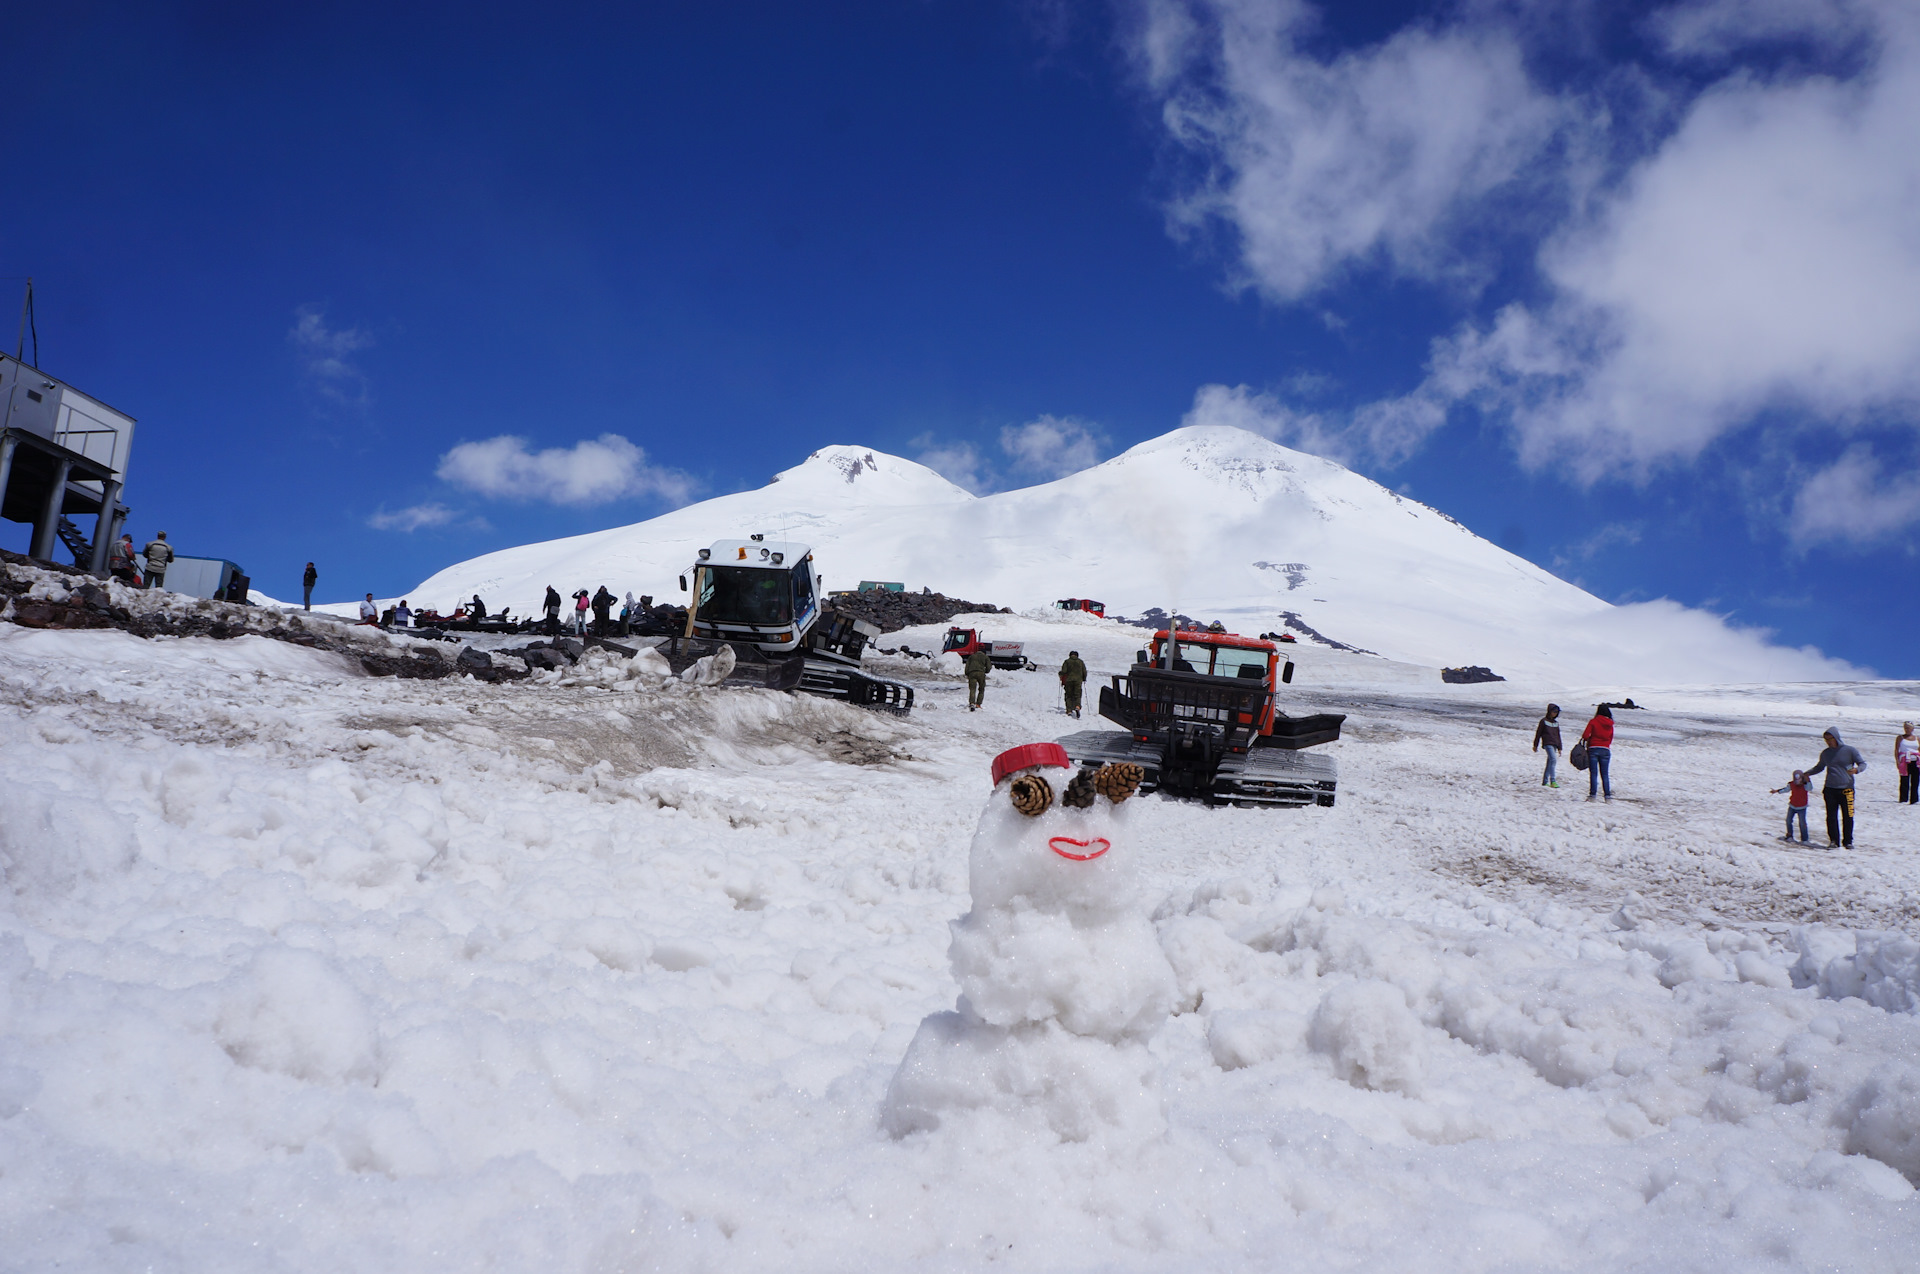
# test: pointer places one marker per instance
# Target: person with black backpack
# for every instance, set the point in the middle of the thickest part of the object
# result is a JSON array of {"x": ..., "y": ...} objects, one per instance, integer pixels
[
  {"x": 553, "y": 610},
  {"x": 1596, "y": 743}
]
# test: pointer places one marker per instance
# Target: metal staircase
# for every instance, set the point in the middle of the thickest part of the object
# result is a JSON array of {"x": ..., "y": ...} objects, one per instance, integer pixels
[{"x": 77, "y": 544}]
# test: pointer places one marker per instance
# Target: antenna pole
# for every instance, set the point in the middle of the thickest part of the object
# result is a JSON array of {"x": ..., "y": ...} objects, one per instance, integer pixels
[{"x": 26, "y": 304}]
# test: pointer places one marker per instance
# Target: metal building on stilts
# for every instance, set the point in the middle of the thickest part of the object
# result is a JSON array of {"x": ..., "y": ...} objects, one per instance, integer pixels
[{"x": 63, "y": 455}]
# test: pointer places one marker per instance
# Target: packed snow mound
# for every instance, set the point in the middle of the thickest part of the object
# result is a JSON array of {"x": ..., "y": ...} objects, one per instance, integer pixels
[
  {"x": 1062, "y": 981},
  {"x": 1209, "y": 521},
  {"x": 598, "y": 971}
]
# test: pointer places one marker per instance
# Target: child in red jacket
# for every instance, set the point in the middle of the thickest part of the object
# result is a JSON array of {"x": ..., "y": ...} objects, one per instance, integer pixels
[{"x": 1796, "y": 789}]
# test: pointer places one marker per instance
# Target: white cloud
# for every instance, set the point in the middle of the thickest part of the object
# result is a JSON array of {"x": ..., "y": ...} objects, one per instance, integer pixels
[
  {"x": 1667, "y": 643},
  {"x": 1243, "y": 408},
  {"x": 1050, "y": 447},
  {"x": 1751, "y": 255},
  {"x": 1763, "y": 259},
  {"x": 412, "y": 518},
  {"x": 592, "y": 471},
  {"x": 1850, "y": 501},
  {"x": 1626, "y": 533},
  {"x": 958, "y": 462},
  {"x": 1041, "y": 450},
  {"x": 323, "y": 354},
  {"x": 1374, "y": 156},
  {"x": 1717, "y": 29}
]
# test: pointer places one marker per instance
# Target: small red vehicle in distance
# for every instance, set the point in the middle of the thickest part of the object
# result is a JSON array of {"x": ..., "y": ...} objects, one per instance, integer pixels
[{"x": 1086, "y": 604}]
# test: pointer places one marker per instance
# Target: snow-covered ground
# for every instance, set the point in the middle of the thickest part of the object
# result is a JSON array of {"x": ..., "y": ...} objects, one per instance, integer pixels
[{"x": 305, "y": 970}]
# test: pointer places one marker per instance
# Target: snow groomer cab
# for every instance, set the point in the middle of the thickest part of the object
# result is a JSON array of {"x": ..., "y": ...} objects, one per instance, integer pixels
[
  {"x": 764, "y": 598},
  {"x": 1201, "y": 716}
]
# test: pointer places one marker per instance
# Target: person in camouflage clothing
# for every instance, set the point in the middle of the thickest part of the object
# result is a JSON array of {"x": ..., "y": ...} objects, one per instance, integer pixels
[
  {"x": 978, "y": 665},
  {"x": 1073, "y": 675}
]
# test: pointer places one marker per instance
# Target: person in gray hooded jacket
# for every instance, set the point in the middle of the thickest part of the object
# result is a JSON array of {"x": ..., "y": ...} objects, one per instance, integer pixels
[{"x": 1841, "y": 761}]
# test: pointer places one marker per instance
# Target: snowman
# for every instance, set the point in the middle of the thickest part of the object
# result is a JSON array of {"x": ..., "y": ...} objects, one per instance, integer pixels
[{"x": 1062, "y": 979}]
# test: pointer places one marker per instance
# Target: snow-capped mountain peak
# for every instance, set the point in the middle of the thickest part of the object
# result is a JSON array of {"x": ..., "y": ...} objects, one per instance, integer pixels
[
  {"x": 1209, "y": 520},
  {"x": 862, "y": 475}
]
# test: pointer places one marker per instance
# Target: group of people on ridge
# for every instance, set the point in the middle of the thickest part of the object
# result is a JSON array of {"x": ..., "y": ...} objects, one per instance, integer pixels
[
  {"x": 600, "y": 605},
  {"x": 124, "y": 563}
]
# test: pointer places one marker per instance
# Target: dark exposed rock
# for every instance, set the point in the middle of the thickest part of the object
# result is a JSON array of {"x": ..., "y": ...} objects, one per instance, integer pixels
[
  {"x": 479, "y": 665},
  {"x": 421, "y": 666},
  {"x": 890, "y": 612},
  {"x": 31, "y": 614},
  {"x": 1156, "y": 619},
  {"x": 1293, "y": 621},
  {"x": 1470, "y": 676},
  {"x": 21, "y": 559}
]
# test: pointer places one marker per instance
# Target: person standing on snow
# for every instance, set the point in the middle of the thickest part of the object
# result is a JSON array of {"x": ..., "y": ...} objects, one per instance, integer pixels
[
  {"x": 1073, "y": 675},
  {"x": 553, "y": 610},
  {"x": 307, "y": 581},
  {"x": 1796, "y": 790},
  {"x": 1598, "y": 736},
  {"x": 369, "y": 613},
  {"x": 159, "y": 557},
  {"x": 1841, "y": 761},
  {"x": 581, "y": 602},
  {"x": 1547, "y": 735},
  {"x": 120, "y": 562},
  {"x": 602, "y": 611},
  {"x": 1906, "y": 758},
  {"x": 402, "y": 615},
  {"x": 978, "y": 665}
]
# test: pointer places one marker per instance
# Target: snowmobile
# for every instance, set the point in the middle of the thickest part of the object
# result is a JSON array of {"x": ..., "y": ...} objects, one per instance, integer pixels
[
  {"x": 762, "y": 598},
  {"x": 1201, "y": 718}
]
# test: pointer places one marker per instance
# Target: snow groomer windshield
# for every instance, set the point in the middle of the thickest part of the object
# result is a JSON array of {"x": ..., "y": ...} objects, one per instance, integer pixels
[{"x": 744, "y": 595}]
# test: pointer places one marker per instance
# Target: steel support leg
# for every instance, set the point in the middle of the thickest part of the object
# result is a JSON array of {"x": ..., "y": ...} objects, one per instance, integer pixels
[
  {"x": 7, "y": 444},
  {"x": 45, "y": 531},
  {"x": 103, "y": 529}
]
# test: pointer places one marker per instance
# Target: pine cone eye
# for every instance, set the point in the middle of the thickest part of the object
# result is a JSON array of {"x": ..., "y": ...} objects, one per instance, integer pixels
[
  {"x": 1080, "y": 793},
  {"x": 1031, "y": 795},
  {"x": 1118, "y": 781}
]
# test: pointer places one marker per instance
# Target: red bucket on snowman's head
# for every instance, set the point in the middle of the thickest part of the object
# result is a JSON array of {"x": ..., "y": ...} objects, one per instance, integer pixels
[{"x": 1026, "y": 757}]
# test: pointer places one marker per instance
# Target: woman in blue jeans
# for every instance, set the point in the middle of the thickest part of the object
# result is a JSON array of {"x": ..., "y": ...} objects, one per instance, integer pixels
[{"x": 1598, "y": 736}]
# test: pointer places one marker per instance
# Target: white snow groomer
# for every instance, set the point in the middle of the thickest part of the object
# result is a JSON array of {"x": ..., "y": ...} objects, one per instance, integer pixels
[
  {"x": 1201, "y": 719},
  {"x": 762, "y": 598}
]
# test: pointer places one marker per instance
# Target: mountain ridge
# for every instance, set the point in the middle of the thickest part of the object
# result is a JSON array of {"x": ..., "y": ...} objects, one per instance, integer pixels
[{"x": 1205, "y": 520}]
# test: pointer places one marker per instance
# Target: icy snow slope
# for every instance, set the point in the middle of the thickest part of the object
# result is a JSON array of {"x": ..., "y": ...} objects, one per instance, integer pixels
[
  {"x": 313, "y": 972},
  {"x": 1211, "y": 521}
]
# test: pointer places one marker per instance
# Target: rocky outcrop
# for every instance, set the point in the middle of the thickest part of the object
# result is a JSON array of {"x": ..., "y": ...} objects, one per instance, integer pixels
[{"x": 890, "y": 612}]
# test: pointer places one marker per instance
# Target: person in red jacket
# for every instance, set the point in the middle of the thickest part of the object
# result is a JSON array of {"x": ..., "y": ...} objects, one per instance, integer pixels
[
  {"x": 1796, "y": 790},
  {"x": 1598, "y": 736}
]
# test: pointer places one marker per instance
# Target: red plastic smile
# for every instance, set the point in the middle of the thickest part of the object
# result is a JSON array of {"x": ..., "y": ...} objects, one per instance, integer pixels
[{"x": 1059, "y": 846}]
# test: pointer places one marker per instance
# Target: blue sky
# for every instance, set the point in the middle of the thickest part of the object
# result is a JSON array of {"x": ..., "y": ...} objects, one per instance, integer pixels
[{"x": 1631, "y": 290}]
